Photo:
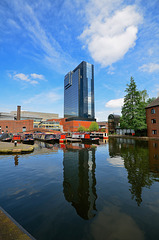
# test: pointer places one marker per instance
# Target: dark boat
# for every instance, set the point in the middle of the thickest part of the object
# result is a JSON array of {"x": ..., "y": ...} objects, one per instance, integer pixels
[
  {"x": 6, "y": 137},
  {"x": 47, "y": 137},
  {"x": 87, "y": 138},
  {"x": 27, "y": 138}
]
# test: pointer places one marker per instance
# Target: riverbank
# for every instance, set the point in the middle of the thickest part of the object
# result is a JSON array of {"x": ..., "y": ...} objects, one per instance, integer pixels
[
  {"x": 134, "y": 137},
  {"x": 9, "y": 148}
]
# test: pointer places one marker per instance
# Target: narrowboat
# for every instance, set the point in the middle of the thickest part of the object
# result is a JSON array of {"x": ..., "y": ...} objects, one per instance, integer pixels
[
  {"x": 75, "y": 137},
  {"x": 100, "y": 135},
  {"x": 27, "y": 138},
  {"x": 6, "y": 137},
  {"x": 47, "y": 137},
  {"x": 87, "y": 138},
  {"x": 16, "y": 137}
]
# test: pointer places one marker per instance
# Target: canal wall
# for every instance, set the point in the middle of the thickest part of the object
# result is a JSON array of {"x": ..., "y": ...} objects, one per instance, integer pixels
[
  {"x": 10, "y": 148},
  {"x": 134, "y": 137},
  {"x": 10, "y": 229}
]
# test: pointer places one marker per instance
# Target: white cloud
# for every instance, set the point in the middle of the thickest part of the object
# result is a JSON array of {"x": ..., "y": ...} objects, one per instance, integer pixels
[
  {"x": 110, "y": 33},
  {"x": 102, "y": 115},
  {"x": 116, "y": 161},
  {"x": 37, "y": 76},
  {"x": 44, "y": 98},
  {"x": 150, "y": 67},
  {"x": 115, "y": 103},
  {"x": 21, "y": 76},
  {"x": 30, "y": 78},
  {"x": 112, "y": 107}
]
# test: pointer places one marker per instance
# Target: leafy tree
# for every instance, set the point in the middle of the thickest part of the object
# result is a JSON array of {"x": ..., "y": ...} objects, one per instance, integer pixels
[
  {"x": 140, "y": 121},
  {"x": 81, "y": 129},
  {"x": 150, "y": 100},
  {"x": 93, "y": 127},
  {"x": 86, "y": 129},
  {"x": 143, "y": 95},
  {"x": 102, "y": 130},
  {"x": 133, "y": 110},
  {"x": 131, "y": 102}
]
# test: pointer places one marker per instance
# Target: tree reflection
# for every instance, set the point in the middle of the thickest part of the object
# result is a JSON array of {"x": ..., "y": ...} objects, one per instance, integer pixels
[
  {"x": 136, "y": 160},
  {"x": 79, "y": 180}
]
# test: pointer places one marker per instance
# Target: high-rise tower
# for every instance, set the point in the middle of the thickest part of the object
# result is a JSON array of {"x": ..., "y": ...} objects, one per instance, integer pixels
[{"x": 79, "y": 92}]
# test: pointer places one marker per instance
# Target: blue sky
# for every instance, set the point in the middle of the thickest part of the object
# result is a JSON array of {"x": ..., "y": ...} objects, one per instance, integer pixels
[{"x": 40, "y": 41}]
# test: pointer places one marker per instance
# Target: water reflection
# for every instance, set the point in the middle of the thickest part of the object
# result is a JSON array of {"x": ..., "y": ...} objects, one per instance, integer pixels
[
  {"x": 140, "y": 160},
  {"x": 79, "y": 185},
  {"x": 111, "y": 223},
  {"x": 154, "y": 156},
  {"x": 16, "y": 160}
]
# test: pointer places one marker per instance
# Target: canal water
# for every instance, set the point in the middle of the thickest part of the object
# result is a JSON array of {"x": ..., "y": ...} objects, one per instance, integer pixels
[{"x": 108, "y": 191}]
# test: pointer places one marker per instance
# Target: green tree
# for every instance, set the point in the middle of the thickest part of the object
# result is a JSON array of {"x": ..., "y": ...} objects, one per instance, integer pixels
[
  {"x": 150, "y": 100},
  {"x": 133, "y": 110},
  {"x": 81, "y": 129},
  {"x": 93, "y": 127},
  {"x": 140, "y": 120},
  {"x": 131, "y": 102}
]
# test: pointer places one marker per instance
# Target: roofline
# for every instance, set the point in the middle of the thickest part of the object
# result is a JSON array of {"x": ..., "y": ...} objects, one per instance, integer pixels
[{"x": 152, "y": 106}]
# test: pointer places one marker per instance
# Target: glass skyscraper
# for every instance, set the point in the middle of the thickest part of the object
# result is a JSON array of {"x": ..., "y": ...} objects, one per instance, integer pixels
[{"x": 79, "y": 92}]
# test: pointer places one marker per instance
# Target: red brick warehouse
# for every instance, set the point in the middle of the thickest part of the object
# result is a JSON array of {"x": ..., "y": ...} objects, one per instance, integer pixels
[
  {"x": 13, "y": 126},
  {"x": 152, "y": 118}
]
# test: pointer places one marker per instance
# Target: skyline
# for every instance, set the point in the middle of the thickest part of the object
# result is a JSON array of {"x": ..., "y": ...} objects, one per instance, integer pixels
[{"x": 40, "y": 42}]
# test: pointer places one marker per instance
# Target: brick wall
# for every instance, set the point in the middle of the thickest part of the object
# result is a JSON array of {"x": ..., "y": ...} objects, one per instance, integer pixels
[
  {"x": 13, "y": 126},
  {"x": 152, "y": 126},
  {"x": 72, "y": 126}
]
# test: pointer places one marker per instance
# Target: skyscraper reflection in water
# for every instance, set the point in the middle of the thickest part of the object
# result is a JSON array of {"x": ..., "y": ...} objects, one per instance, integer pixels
[{"x": 79, "y": 180}]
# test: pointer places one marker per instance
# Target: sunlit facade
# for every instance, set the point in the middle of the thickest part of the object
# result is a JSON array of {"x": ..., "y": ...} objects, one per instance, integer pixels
[{"x": 79, "y": 92}]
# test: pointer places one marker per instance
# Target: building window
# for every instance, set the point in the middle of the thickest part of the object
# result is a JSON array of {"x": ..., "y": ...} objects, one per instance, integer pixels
[
  {"x": 24, "y": 129},
  {"x": 155, "y": 145},
  {"x": 155, "y": 156},
  {"x": 152, "y": 111},
  {"x": 154, "y": 131},
  {"x": 6, "y": 126},
  {"x": 153, "y": 120}
]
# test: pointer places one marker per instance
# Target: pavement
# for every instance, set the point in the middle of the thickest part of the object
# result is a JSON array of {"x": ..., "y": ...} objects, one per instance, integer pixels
[
  {"x": 10, "y": 229},
  {"x": 9, "y": 148}
]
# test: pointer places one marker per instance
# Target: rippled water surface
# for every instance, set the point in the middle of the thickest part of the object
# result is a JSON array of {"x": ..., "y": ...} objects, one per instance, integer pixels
[{"x": 76, "y": 191}]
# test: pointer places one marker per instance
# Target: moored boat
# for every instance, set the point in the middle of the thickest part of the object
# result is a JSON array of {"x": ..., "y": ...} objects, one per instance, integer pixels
[
  {"x": 27, "y": 138},
  {"x": 75, "y": 137},
  {"x": 47, "y": 137},
  {"x": 6, "y": 137},
  {"x": 100, "y": 135},
  {"x": 16, "y": 137},
  {"x": 87, "y": 138}
]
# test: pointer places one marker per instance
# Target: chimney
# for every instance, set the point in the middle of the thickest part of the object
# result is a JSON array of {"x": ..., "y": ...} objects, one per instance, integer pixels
[{"x": 18, "y": 112}]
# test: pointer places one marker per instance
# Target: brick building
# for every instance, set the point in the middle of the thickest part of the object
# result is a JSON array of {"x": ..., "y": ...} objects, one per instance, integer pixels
[
  {"x": 152, "y": 118},
  {"x": 113, "y": 123},
  {"x": 72, "y": 125},
  {"x": 103, "y": 126},
  {"x": 13, "y": 126}
]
